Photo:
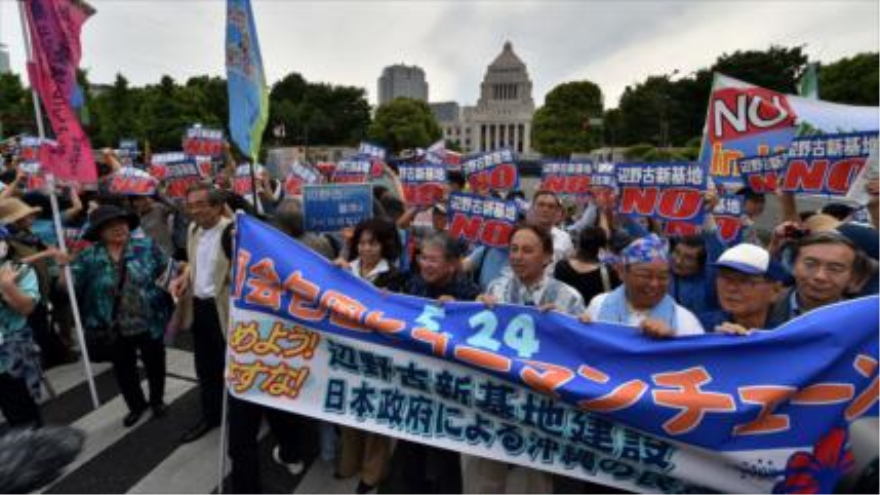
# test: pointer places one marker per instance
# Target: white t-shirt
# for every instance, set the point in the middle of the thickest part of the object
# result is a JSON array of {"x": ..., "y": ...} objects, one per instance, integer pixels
[
  {"x": 685, "y": 321},
  {"x": 562, "y": 245},
  {"x": 206, "y": 262}
]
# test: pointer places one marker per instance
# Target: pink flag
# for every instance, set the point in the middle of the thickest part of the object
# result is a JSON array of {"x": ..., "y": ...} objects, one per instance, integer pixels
[{"x": 55, "y": 27}]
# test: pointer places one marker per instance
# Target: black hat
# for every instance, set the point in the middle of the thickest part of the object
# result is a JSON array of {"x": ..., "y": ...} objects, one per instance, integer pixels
[{"x": 105, "y": 214}]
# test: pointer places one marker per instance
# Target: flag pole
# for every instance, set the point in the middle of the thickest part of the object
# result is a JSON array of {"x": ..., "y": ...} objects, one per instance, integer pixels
[{"x": 56, "y": 216}]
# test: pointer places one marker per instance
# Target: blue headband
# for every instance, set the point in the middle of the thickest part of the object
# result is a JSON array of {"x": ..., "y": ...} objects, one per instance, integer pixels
[{"x": 645, "y": 250}]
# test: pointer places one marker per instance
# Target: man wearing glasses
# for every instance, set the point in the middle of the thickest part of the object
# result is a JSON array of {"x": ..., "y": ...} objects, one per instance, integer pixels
[{"x": 826, "y": 267}]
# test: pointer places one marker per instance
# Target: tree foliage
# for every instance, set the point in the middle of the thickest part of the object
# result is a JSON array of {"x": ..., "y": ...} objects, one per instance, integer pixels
[
  {"x": 160, "y": 113},
  {"x": 561, "y": 126},
  {"x": 851, "y": 80},
  {"x": 404, "y": 123},
  {"x": 665, "y": 111},
  {"x": 16, "y": 107}
]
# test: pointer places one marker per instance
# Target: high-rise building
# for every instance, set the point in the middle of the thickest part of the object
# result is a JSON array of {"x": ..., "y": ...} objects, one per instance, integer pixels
[
  {"x": 503, "y": 115},
  {"x": 4, "y": 59},
  {"x": 402, "y": 81}
]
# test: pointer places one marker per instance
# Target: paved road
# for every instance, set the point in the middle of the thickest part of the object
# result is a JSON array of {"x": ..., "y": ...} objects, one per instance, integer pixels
[{"x": 148, "y": 457}]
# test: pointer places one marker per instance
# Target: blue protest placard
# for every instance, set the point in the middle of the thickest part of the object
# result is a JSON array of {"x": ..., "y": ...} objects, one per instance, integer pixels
[
  {"x": 481, "y": 220},
  {"x": 763, "y": 174},
  {"x": 492, "y": 171},
  {"x": 176, "y": 171},
  {"x": 424, "y": 184},
  {"x": 564, "y": 177},
  {"x": 201, "y": 141},
  {"x": 332, "y": 207},
  {"x": 373, "y": 151},
  {"x": 300, "y": 174},
  {"x": 828, "y": 163},
  {"x": 668, "y": 191},
  {"x": 352, "y": 170}
]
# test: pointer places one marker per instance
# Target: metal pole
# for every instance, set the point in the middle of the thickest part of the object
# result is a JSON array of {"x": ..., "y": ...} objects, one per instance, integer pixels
[{"x": 59, "y": 231}]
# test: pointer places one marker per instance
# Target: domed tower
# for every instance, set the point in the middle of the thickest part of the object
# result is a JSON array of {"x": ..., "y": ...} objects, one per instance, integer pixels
[
  {"x": 507, "y": 81},
  {"x": 503, "y": 115}
]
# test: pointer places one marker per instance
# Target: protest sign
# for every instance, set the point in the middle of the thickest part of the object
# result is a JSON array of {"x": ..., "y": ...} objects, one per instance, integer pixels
[
  {"x": 29, "y": 149},
  {"x": 668, "y": 191},
  {"x": 827, "y": 164},
  {"x": 34, "y": 176},
  {"x": 176, "y": 171},
  {"x": 242, "y": 180},
  {"x": 858, "y": 191},
  {"x": 201, "y": 141},
  {"x": 728, "y": 217},
  {"x": 495, "y": 171},
  {"x": 747, "y": 120},
  {"x": 540, "y": 389},
  {"x": 333, "y": 207},
  {"x": 131, "y": 181},
  {"x": 424, "y": 184},
  {"x": 128, "y": 150},
  {"x": 603, "y": 183},
  {"x": 301, "y": 173},
  {"x": 567, "y": 177},
  {"x": 481, "y": 220},
  {"x": 372, "y": 151},
  {"x": 353, "y": 170},
  {"x": 763, "y": 174}
]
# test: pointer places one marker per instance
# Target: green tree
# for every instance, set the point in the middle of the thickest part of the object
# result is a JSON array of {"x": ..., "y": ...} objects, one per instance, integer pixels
[
  {"x": 665, "y": 111},
  {"x": 851, "y": 80},
  {"x": 116, "y": 114},
  {"x": 561, "y": 126},
  {"x": 16, "y": 107},
  {"x": 317, "y": 113},
  {"x": 404, "y": 123}
]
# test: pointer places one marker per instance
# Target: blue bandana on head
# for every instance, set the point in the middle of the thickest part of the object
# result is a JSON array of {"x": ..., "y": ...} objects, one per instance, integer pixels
[{"x": 645, "y": 250}]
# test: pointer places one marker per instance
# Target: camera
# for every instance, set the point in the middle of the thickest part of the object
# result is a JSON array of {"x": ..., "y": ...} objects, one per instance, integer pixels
[{"x": 795, "y": 232}]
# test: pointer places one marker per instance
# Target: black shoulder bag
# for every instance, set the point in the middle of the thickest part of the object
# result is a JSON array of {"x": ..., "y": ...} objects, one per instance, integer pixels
[{"x": 103, "y": 342}]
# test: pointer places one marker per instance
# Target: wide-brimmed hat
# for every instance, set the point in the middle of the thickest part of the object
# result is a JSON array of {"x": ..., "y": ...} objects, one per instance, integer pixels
[
  {"x": 104, "y": 215},
  {"x": 14, "y": 209}
]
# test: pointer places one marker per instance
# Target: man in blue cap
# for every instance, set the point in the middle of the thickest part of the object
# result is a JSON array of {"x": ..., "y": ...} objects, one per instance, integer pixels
[{"x": 748, "y": 283}]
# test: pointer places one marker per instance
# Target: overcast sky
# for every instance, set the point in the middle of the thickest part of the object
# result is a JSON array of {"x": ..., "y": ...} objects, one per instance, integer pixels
[{"x": 613, "y": 44}]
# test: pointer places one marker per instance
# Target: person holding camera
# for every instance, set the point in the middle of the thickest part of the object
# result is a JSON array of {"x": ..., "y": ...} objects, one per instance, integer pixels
[{"x": 19, "y": 358}]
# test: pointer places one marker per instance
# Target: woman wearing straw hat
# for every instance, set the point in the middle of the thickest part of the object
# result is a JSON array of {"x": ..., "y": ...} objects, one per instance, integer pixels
[{"x": 115, "y": 280}]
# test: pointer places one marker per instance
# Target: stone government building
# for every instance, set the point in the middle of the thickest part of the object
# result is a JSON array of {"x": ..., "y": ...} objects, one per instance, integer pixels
[{"x": 503, "y": 114}]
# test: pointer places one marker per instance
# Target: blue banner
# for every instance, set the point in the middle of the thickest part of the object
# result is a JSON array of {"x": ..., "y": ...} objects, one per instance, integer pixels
[
  {"x": 248, "y": 93},
  {"x": 333, "y": 207},
  {"x": 716, "y": 393}
]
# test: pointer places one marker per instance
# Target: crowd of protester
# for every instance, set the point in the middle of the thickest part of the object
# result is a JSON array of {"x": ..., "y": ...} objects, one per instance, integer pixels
[{"x": 585, "y": 261}]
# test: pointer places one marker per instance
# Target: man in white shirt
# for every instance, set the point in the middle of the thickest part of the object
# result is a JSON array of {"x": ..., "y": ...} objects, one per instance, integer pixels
[
  {"x": 546, "y": 212},
  {"x": 643, "y": 300},
  {"x": 203, "y": 291}
]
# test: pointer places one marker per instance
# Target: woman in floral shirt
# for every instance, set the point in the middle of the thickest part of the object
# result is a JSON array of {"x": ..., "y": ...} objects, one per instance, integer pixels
[{"x": 116, "y": 281}]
